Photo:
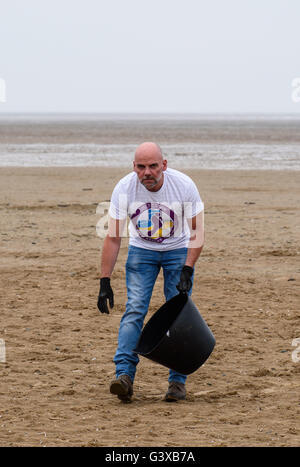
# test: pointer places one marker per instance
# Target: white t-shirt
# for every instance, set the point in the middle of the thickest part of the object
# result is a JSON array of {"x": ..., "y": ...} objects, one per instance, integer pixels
[{"x": 157, "y": 219}]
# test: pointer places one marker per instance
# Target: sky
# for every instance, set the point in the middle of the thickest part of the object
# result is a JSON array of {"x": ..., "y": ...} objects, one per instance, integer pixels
[{"x": 157, "y": 56}]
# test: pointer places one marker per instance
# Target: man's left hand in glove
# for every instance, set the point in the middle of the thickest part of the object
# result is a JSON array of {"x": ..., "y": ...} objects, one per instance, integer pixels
[{"x": 185, "y": 282}]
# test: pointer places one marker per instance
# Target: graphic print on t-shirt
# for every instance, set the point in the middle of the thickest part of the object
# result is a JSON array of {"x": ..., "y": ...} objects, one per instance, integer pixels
[{"x": 154, "y": 222}]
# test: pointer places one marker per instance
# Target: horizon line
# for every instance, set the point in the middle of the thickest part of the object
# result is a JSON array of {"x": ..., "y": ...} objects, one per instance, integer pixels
[{"x": 144, "y": 113}]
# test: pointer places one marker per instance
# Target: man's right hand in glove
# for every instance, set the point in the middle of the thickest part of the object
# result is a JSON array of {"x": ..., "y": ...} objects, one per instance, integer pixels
[{"x": 105, "y": 294}]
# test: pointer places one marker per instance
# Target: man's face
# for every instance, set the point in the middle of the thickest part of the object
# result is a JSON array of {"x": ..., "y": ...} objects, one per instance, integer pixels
[{"x": 149, "y": 170}]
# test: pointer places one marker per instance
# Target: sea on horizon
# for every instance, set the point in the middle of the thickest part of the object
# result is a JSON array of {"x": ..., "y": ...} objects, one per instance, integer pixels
[{"x": 199, "y": 141}]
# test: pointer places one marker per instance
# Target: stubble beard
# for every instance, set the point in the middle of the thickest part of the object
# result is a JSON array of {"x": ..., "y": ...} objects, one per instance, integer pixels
[{"x": 152, "y": 185}]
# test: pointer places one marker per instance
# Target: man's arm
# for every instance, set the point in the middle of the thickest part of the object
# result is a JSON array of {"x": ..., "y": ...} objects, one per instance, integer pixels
[
  {"x": 196, "y": 225},
  {"x": 111, "y": 246},
  {"x": 110, "y": 251}
]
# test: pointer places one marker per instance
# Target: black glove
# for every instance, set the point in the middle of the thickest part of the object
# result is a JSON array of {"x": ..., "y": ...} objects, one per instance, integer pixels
[
  {"x": 185, "y": 282},
  {"x": 105, "y": 294}
]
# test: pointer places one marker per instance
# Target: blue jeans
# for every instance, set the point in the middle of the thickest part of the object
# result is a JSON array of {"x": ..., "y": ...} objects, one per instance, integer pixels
[{"x": 142, "y": 268}]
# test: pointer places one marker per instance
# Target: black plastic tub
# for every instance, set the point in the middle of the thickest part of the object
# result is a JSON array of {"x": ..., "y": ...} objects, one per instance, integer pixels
[{"x": 177, "y": 336}]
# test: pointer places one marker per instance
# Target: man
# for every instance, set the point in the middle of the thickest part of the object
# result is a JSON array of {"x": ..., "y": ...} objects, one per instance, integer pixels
[{"x": 166, "y": 230}]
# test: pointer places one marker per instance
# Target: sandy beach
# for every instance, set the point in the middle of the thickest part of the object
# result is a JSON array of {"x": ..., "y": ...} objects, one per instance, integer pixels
[{"x": 59, "y": 348}]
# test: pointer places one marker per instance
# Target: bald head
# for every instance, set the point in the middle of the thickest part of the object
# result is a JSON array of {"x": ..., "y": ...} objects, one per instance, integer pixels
[
  {"x": 148, "y": 150},
  {"x": 149, "y": 165}
]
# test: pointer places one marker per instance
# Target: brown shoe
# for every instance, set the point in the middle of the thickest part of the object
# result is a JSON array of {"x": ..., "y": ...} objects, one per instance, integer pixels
[
  {"x": 176, "y": 392},
  {"x": 122, "y": 387}
]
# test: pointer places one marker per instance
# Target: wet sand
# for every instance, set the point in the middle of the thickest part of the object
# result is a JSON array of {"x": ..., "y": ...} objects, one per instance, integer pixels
[{"x": 59, "y": 348}]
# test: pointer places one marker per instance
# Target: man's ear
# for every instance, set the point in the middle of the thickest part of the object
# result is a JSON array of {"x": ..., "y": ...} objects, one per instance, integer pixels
[{"x": 165, "y": 164}]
